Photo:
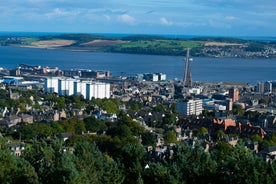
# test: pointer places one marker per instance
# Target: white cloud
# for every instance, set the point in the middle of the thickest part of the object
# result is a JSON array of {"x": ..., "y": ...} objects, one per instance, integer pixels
[
  {"x": 107, "y": 17},
  {"x": 230, "y": 18},
  {"x": 165, "y": 22},
  {"x": 57, "y": 13},
  {"x": 125, "y": 18}
]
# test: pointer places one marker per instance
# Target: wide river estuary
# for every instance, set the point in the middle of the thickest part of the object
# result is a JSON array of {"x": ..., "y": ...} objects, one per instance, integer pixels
[{"x": 203, "y": 69}]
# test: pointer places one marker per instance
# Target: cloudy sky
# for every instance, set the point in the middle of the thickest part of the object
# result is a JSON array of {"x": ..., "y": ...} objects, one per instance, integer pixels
[{"x": 177, "y": 17}]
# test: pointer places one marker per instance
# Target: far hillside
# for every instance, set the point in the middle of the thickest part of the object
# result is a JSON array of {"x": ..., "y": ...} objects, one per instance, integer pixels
[{"x": 148, "y": 44}]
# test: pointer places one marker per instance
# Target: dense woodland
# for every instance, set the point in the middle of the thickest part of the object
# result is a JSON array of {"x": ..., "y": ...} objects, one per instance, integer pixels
[{"x": 116, "y": 151}]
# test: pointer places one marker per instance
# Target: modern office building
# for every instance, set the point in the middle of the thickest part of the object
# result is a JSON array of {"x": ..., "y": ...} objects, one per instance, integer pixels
[{"x": 190, "y": 107}]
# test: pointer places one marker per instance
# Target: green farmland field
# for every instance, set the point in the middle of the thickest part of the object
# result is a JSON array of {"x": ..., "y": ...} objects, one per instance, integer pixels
[{"x": 169, "y": 47}]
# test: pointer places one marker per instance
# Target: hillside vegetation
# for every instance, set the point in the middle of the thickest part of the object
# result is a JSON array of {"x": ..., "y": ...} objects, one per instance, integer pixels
[{"x": 148, "y": 44}]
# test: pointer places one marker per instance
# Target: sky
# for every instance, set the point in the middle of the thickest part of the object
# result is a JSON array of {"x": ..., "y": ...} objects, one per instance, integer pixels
[{"x": 174, "y": 17}]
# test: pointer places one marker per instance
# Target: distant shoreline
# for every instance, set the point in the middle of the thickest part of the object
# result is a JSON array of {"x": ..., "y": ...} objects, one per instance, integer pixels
[{"x": 213, "y": 47}]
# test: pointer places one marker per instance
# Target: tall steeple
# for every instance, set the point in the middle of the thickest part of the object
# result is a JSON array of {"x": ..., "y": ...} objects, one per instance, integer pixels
[{"x": 187, "y": 78}]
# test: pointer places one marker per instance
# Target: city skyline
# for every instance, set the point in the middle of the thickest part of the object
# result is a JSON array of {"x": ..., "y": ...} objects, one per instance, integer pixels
[{"x": 188, "y": 17}]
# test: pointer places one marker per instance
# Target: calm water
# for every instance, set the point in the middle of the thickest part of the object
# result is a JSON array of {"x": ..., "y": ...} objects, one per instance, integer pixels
[{"x": 203, "y": 69}]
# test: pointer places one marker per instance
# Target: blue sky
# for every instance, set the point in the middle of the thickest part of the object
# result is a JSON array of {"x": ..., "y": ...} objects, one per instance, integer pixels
[{"x": 176, "y": 17}]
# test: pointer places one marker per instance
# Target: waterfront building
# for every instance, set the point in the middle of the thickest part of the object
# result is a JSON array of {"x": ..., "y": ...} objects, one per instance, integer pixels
[
  {"x": 140, "y": 77},
  {"x": 273, "y": 87},
  {"x": 190, "y": 107},
  {"x": 97, "y": 90},
  {"x": 161, "y": 76},
  {"x": 51, "y": 85},
  {"x": 80, "y": 88},
  {"x": 86, "y": 73},
  {"x": 68, "y": 86},
  {"x": 260, "y": 88},
  {"x": 234, "y": 94},
  {"x": 151, "y": 77},
  {"x": 268, "y": 87}
]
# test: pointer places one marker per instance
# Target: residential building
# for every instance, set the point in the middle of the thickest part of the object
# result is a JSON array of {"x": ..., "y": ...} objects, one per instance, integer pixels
[
  {"x": 190, "y": 107},
  {"x": 68, "y": 86},
  {"x": 234, "y": 94}
]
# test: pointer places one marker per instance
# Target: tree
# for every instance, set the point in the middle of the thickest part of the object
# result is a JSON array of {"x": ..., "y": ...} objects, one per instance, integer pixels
[
  {"x": 60, "y": 103},
  {"x": 53, "y": 163},
  {"x": 131, "y": 156},
  {"x": 192, "y": 165},
  {"x": 202, "y": 131},
  {"x": 169, "y": 119},
  {"x": 170, "y": 137},
  {"x": 35, "y": 130},
  {"x": 95, "y": 164},
  {"x": 148, "y": 138},
  {"x": 14, "y": 169},
  {"x": 157, "y": 173},
  {"x": 220, "y": 134},
  {"x": 92, "y": 124}
]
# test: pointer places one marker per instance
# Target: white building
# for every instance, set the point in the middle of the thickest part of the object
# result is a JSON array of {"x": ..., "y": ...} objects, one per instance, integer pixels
[
  {"x": 151, "y": 77},
  {"x": 260, "y": 88},
  {"x": 68, "y": 86},
  {"x": 80, "y": 88},
  {"x": 190, "y": 107},
  {"x": 97, "y": 90},
  {"x": 161, "y": 76},
  {"x": 195, "y": 91},
  {"x": 51, "y": 85}
]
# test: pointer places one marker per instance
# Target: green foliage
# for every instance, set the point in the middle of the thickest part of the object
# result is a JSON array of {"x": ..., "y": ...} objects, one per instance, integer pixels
[
  {"x": 169, "y": 119},
  {"x": 73, "y": 125},
  {"x": 238, "y": 110},
  {"x": 255, "y": 47},
  {"x": 148, "y": 138},
  {"x": 93, "y": 125},
  {"x": 193, "y": 165},
  {"x": 157, "y": 173},
  {"x": 77, "y": 101},
  {"x": 155, "y": 46},
  {"x": 35, "y": 130},
  {"x": 220, "y": 134},
  {"x": 269, "y": 140},
  {"x": 60, "y": 103},
  {"x": 170, "y": 137},
  {"x": 95, "y": 165},
  {"x": 109, "y": 105},
  {"x": 131, "y": 156},
  {"x": 202, "y": 131},
  {"x": 135, "y": 106},
  {"x": 122, "y": 131},
  {"x": 15, "y": 170}
]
